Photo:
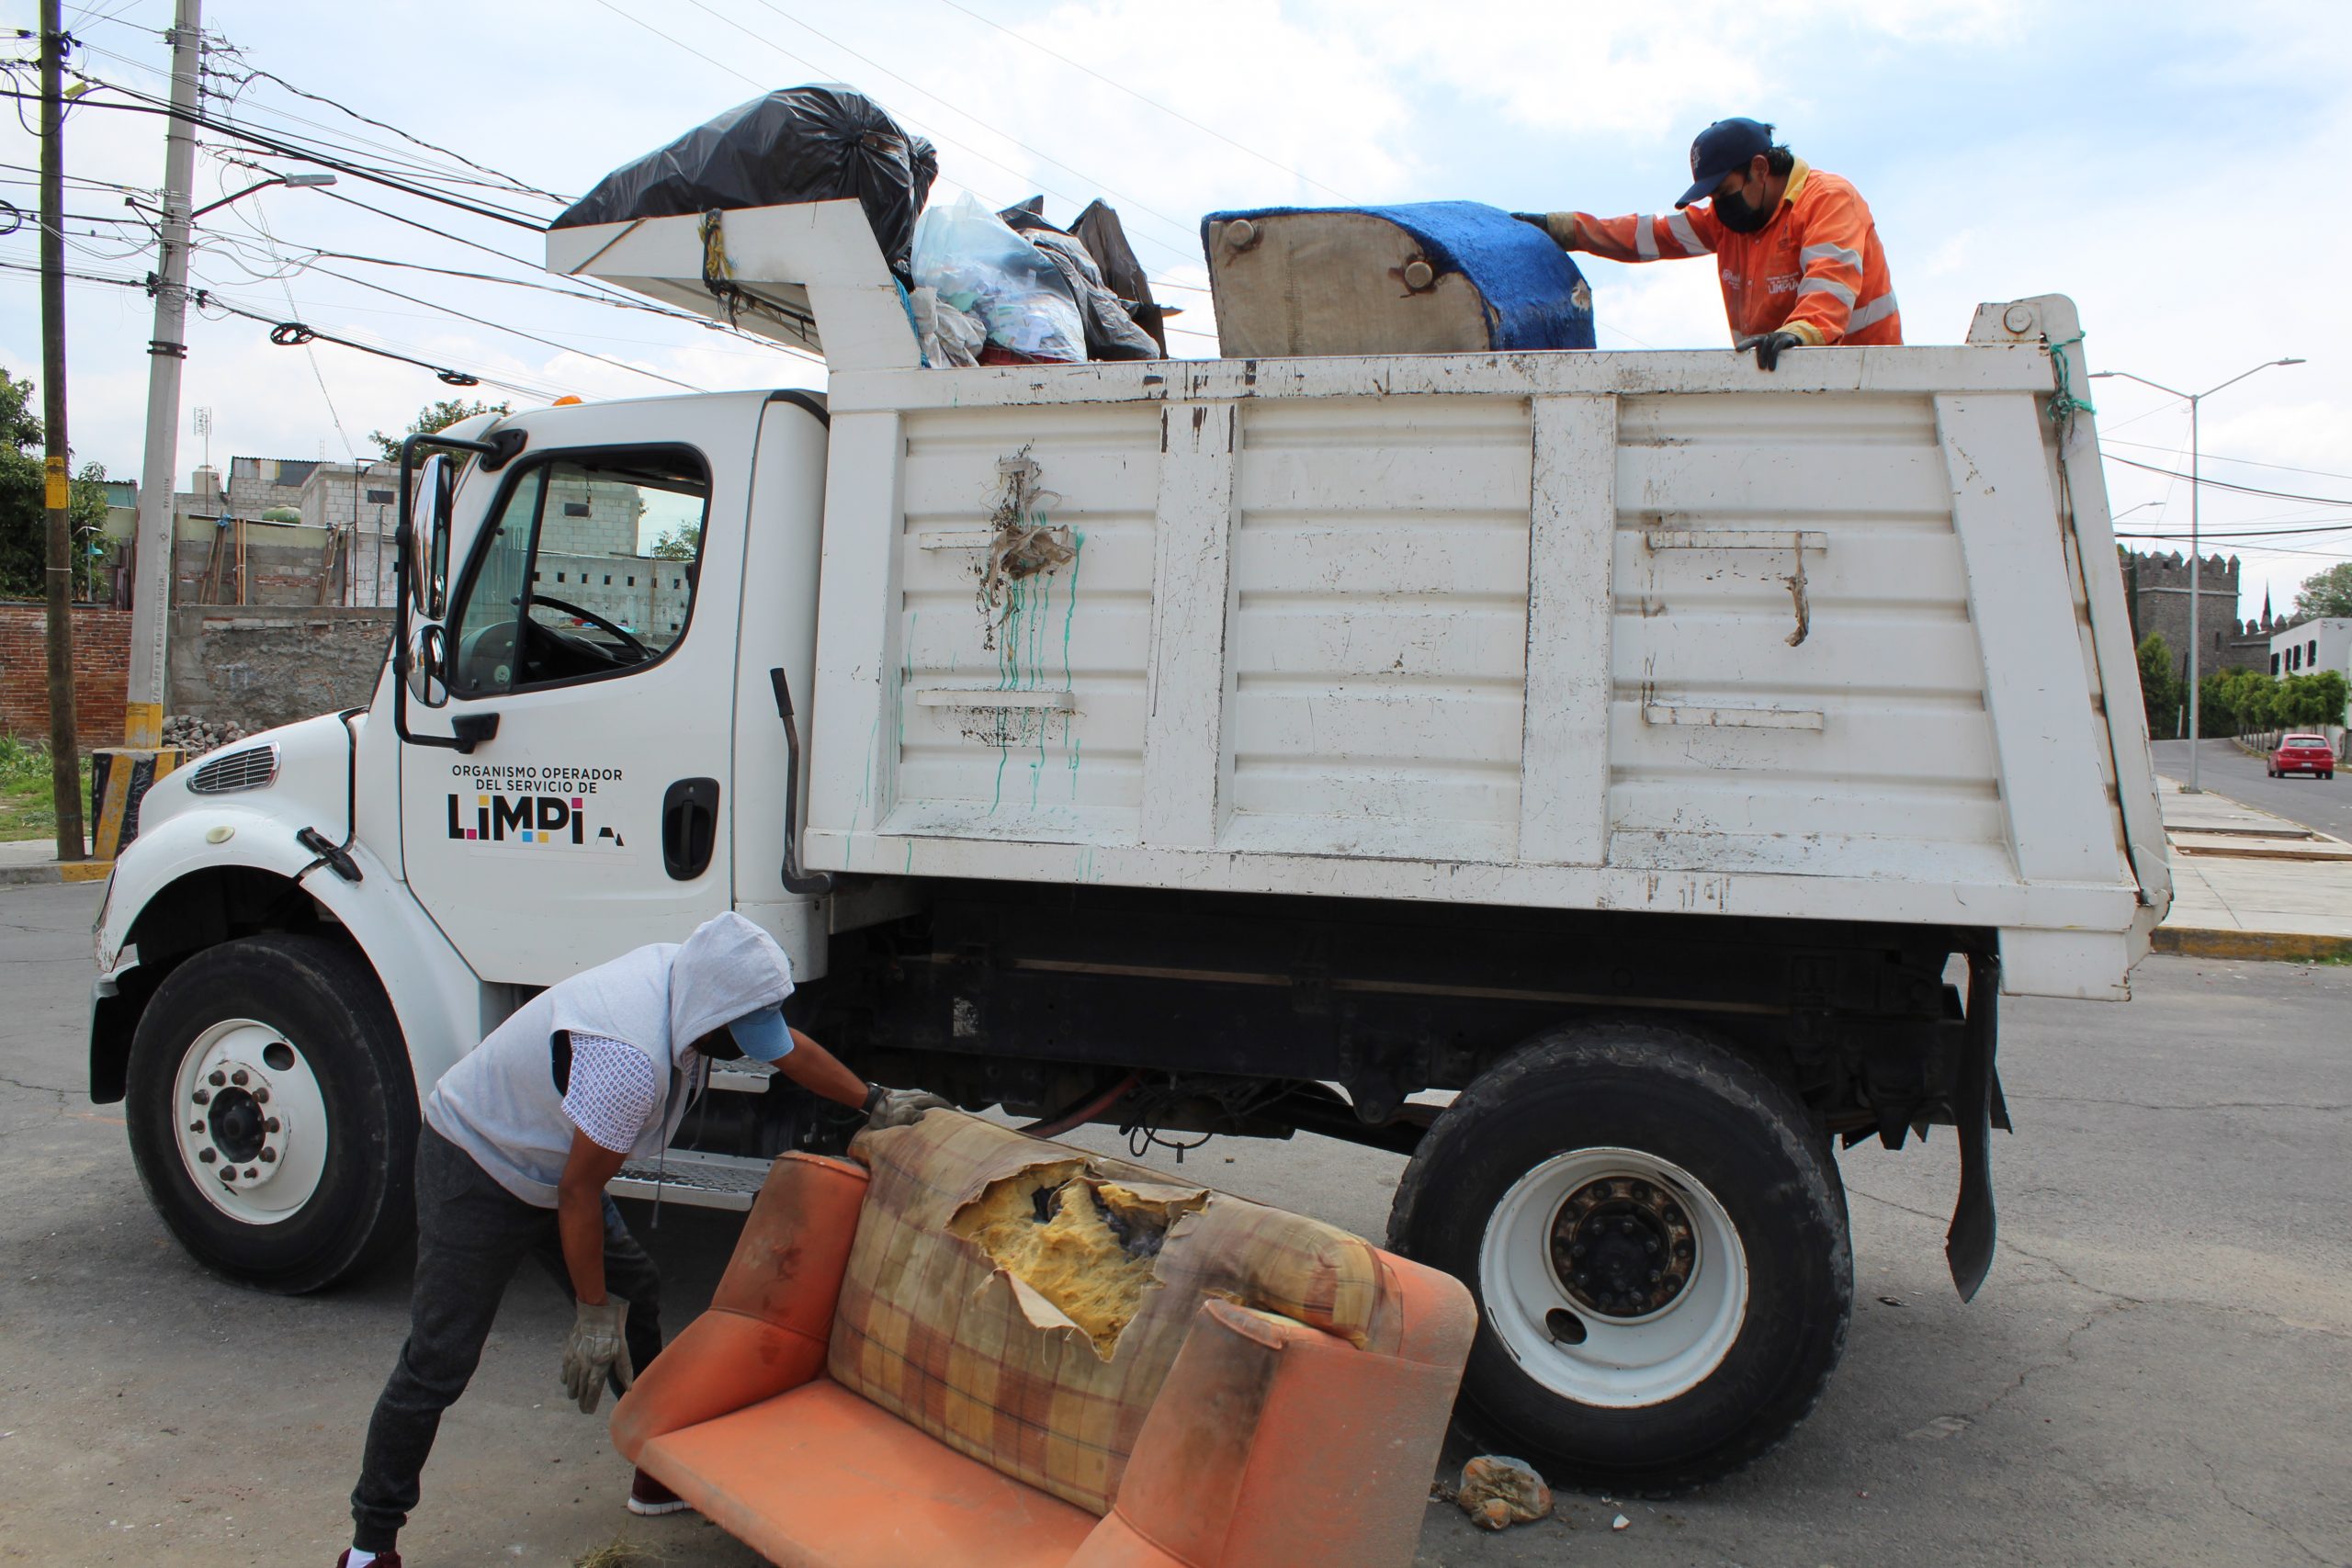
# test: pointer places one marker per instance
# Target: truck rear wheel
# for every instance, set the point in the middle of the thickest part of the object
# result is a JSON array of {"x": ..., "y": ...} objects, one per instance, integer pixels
[
  {"x": 272, "y": 1115},
  {"x": 1656, "y": 1239}
]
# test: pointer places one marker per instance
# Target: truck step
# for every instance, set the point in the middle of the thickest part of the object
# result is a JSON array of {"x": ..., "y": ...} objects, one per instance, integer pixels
[{"x": 698, "y": 1180}]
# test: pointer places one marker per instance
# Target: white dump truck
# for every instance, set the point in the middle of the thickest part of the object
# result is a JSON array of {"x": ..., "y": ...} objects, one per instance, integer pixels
[{"x": 1611, "y": 780}]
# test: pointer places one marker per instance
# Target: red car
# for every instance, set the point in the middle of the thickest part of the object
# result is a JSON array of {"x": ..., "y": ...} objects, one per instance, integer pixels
[{"x": 2303, "y": 755}]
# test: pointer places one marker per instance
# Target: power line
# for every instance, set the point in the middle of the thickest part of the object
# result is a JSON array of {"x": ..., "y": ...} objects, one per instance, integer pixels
[
  {"x": 606, "y": 294},
  {"x": 2215, "y": 457},
  {"x": 1140, "y": 98},
  {"x": 295, "y": 150},
  {"x": 254, "y": 72},
  {"x": 2225, "y": 484}
]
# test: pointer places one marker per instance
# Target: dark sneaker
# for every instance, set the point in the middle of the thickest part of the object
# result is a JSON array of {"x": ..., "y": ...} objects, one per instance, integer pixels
[
  {"x": 383, "y": 1559},
  {"x": 648, "y": 1498}
]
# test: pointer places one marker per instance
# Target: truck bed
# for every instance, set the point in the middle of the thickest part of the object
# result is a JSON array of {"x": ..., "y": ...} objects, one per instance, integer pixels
[{"x": 1650, "y": 631}]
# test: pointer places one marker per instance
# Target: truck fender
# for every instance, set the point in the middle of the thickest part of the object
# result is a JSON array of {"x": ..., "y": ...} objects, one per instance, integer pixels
[{"x": 188, "y": 860}]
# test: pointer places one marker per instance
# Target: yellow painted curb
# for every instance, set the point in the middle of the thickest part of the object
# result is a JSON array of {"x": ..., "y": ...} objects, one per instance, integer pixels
[
  {"x": 2290, "y": 947},
  {"x": 85, "y": 871}
]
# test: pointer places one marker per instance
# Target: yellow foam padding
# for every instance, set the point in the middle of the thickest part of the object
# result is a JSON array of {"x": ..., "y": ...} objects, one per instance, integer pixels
[{"x": 1074, "y": 1258}]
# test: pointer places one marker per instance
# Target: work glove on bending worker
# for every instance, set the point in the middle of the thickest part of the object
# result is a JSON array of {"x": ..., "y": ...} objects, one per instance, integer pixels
[
  {"x": 1768, "y": 347},
  {"x": 899, "y": 1107},
  {"x": 597, "y": 1348}
]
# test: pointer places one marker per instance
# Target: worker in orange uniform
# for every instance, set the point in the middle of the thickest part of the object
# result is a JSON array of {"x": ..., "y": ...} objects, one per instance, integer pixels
[{"x": 1796, "y": 250}]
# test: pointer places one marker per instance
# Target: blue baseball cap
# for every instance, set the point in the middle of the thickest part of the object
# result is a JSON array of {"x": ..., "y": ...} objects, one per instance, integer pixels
[
  {"x": 1723, "y": 148},
  {"x": 762, "y": 1035}
]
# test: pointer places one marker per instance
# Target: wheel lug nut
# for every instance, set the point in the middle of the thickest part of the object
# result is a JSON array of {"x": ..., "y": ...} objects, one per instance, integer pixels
[
  {"x": 238, "y": 1077},
  {"x": 217, "y": 1078},
  {"x": 1624, "y": 1227},
  {"x": 1655, "y": 1275},
  {"x": 270, "y": 1125},
  {"x": 269, "y": 1157},
  {"x": 1641, "y": 1192},
  {"x": 1577, "y": 1250},
  {"x": 203, "y": 1097},
  {"x": 251, "y": 1173},
  {"x": 261, "y": 1097},
  {"x": 229, "y": 1174},
  {"x": 205, "y": 1155},
  {"x": 1649, "y": 1244},
  {"x": 196, "y": 1126},
  {"x": 1580, "y": 1276}
]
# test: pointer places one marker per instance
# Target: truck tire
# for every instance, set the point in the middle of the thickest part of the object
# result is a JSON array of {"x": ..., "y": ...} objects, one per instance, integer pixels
[
  {"x": 272, "y": 1112},
  {"x": 1655, "y": 1236}
]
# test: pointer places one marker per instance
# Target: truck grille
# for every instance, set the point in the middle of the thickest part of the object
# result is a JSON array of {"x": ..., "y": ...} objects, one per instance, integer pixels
[{"x": 255, "y": 767}]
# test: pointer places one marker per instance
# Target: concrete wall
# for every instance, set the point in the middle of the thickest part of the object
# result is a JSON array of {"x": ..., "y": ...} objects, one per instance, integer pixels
[
  {"x": 268, "y": 664},
  {"x": 101, "y": 672}
]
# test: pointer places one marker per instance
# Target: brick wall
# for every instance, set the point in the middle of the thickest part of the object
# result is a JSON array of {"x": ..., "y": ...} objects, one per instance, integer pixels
[{"x": 101, "y": 672}]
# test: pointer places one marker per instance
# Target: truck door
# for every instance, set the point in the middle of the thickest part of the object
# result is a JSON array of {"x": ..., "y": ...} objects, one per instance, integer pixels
[{"x": 595, "y": 617}]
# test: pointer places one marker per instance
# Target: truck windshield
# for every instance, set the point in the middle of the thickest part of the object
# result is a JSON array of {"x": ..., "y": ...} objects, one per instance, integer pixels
[{"x": 588, "y": 570}]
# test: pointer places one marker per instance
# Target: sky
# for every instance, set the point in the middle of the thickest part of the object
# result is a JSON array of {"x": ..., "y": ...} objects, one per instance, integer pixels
[{"x": 2174, "y": 167}]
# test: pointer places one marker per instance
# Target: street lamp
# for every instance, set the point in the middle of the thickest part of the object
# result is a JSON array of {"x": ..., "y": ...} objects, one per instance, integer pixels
[
  {"x": 262, "y": 184},
  {"x": 2196, "y": 554}
]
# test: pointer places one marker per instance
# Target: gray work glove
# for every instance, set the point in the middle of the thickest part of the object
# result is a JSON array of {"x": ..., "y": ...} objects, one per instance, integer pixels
[
  {"x": 1768, "y": 347},
  {"x": 1560, "y": 226},
  {"x": 597, "y": 1347},
  {"x": 899, "y": 1107}
]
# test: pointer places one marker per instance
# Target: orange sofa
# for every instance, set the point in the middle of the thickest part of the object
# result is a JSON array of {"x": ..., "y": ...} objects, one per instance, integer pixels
[{"x": 876, "y": 1386}]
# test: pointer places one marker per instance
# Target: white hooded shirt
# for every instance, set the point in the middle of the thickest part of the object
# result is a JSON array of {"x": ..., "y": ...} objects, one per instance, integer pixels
[{"x": 500, "y": 1103}]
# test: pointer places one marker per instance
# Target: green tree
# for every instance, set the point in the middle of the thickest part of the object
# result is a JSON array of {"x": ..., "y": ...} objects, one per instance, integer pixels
[
  {"x": 2325, "y": 593},
  {"x": 681, "y": 543},
  {"x": 2159, "y": 688},
  {"x": 24, "y": 515},
  {"x": 433, "y": 417}
]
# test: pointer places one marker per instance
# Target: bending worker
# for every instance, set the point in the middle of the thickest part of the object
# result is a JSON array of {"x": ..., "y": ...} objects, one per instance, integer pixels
[
  {"x": 520, "y": 1139},
  {"x": 1796, "y": 250}
]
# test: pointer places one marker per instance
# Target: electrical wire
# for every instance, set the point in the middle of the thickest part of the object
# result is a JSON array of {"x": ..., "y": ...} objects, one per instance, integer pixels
[
  {"x": 283, "y": 149},
  {"x": 297, "y": 333},
  {"x": 254, "y": 72},
  {"x": 2225, "y": 484},
  {"x": 2216, "y": 457},
  {"x": 1144, "y": 98}
]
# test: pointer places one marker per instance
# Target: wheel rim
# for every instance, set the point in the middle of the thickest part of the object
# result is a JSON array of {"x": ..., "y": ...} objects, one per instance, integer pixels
[
  {"x": 1613, "y": 1278},
  {"x": 250, "y": 1121}
]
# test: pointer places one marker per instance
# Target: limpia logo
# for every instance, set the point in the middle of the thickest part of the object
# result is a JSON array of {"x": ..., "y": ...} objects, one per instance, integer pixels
[{"x": 523, "y": 818}]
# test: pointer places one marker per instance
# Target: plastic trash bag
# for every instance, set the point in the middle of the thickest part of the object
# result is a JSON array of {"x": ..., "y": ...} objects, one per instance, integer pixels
[
  {"x": 976, "y": 263},
  {"x": 1111, "y": 331},
  {"x": 812, "y": 143},
  {"x": 949, "y": 336}
]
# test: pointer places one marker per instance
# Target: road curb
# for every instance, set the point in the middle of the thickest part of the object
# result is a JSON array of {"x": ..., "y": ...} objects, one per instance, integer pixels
[
  {"x": 2289, "y": 947},
  {"x": 45, "y": 872}
]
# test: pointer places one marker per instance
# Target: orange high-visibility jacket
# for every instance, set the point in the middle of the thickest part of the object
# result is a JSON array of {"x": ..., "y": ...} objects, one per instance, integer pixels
[{"x": 1817, "y": 270}]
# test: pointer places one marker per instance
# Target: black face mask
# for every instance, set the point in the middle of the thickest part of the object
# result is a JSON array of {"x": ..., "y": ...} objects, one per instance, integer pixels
[{"x": 1734, "y": 213}]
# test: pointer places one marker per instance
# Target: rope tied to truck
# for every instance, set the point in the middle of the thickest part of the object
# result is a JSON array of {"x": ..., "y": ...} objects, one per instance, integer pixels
[{"x": 2063, "y": 402}]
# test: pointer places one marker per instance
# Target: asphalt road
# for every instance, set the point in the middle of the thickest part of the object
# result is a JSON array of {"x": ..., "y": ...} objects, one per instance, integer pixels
[
  {"x": 2155, "y": 1372},
  {"x": 2326, "y": 804}
]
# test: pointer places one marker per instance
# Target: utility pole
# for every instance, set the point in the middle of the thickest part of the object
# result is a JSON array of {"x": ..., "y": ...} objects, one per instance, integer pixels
[
  {"x": 2196, "y": 552},
  {"x": 150, "y": 594},
  {"x": 65, "y": 742}
]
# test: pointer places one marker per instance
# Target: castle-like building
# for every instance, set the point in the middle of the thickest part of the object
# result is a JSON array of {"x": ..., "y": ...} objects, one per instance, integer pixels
[{"x": 2156, "y": 589}]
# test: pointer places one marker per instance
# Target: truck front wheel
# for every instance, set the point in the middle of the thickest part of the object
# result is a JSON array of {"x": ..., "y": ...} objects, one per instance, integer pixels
[
  {"x": 272, "y": 1115},
  {"x": 1658, "y": 1247}
]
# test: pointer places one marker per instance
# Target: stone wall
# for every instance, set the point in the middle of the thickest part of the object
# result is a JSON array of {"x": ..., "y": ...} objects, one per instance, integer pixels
[
  {"x": 101, "y": 672},
  {"x": 2156, "y": 591},
  {"x": 261, "y": 665}
]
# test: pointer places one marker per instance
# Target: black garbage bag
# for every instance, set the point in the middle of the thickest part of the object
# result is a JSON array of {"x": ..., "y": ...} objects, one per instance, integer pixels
[{"x": 820, "y": 142}]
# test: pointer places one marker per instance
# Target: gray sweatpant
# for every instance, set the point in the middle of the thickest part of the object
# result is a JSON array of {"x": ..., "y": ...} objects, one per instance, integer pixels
[{"x": 471, "y": 1234}]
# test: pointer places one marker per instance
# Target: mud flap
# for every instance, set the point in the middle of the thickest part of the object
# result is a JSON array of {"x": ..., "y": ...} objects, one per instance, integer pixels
[{"x": 1968, "y": 1245}]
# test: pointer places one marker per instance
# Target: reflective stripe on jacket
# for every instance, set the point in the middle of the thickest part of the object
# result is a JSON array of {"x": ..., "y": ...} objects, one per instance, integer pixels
[{"x": 1817, "y": 270}]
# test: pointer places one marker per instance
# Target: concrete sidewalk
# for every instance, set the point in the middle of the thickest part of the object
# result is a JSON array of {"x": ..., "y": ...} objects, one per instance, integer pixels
[
  {"x": 24, "y": 861},
  {"x": 2248, "y": 884}
]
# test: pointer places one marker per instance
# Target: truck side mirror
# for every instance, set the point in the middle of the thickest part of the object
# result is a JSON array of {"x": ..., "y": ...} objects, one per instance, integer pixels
[
  {"x": 430, "y": 506},
  {"x": 428, "y": 665}
]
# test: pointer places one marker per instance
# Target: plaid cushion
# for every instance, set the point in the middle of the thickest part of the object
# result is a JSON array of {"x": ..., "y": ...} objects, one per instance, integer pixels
[{"x": 931, "y": 1330}]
